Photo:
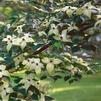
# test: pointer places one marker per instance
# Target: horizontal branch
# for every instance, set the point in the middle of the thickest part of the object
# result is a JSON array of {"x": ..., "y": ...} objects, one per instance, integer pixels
[{"x": 41, "y": 49}]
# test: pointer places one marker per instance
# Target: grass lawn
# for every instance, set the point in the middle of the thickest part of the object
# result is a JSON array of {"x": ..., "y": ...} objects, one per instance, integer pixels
[{"x": 88, "y": 89}]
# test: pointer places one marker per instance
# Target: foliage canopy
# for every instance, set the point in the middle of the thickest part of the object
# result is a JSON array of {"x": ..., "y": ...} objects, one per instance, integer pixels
[{"x": 36, "y": 44}]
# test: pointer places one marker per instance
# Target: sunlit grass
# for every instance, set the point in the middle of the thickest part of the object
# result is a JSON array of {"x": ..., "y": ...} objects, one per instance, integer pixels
[{"x": 88, "y": 89}]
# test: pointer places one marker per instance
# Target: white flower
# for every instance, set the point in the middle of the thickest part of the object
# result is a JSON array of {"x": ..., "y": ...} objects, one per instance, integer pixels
[
  {"x": 37, "y": 65},
  {"x": 8, "y": 40},
  {"x": 79, "y": 11},
  {"x": 33, "y": 63},
  {"x": 50, "y": 62},
  {"x": 72, "y": 26},
  {"x": 63, "y": 36},
  {"x": 5, "y": 90},
  {"x": 87, "y": 9},
  {"x": 19, "y": 59},
  {"x": 70, "y": 10},
  {"x": 3, "y": 72},
  {"x": 28, "y": 37},
  {"x": 27, "y": 81},
  {"x": 28, "y": 63},
  {"x": 22, "y": 42},
  {"x": 19, "y": 28},
  {"x": 68, "y": 7},
  {"x": 53, "y": 29}
]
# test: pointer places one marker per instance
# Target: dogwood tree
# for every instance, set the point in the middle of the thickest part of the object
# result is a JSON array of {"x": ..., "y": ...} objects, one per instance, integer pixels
[{"x": 37, "y": 38}]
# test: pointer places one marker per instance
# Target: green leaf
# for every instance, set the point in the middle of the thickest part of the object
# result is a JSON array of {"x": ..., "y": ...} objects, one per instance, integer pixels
[{"x": 58, "y": 44}]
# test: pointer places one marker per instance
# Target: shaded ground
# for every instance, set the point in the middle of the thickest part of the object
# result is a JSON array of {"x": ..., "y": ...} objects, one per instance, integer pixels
[{"x": 88, "y": 89}]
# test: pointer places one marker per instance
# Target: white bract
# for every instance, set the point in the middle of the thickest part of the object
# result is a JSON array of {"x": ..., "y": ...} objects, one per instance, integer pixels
[
  {"x": 37, "y": 65},
  {"x": 18, "y": 41},
  {"x": 72, "y": 26},
  {"x": 3, "y": 72},
  {"x": 22, "y": 42},
  {"x": 27, "y": 81},
  {"x": 50, "y": 63},
  {"x": 8, "y": 40},
  {"x": 63, "y": 36},
  {"x": 79, "y": 11},
  {"x": 70, "y": 10},
  {"x": 87, "y": 9},
  {"x": 19, "y": 28},
  {"x": 19, "y": 59},
  {"x": 33, "y": 63},
  {"x": 53, "y": 29},
  {"x": 5, "y": 90}
]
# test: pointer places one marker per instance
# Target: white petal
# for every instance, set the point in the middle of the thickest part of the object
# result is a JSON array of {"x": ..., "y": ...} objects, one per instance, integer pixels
[
  {"x": 9, "y": 46},
  {"x": 57, "y": 61},
  {"x": 40, "y": 65},
  {"x": 5, "y": 85},
  {"x": 45, "y": 60},
  {"x": 53, "y": 30},
  {"x": 23, "y": 45},
  {"x": 9, "y": 36},
  {"x": 9, "y": 90},
  {"x": 2, "y": 67},
  {"x": 24, "y": 62},
  {"x": 5, "y": 97},
  {"x": 79, "y": 11},
  {"x": 1, "y": 75},
  {"x": 69, "y": 12},
  {"x": 16, "y": 41},
  {"x": 87, "y": 13},
  {"x": 37, "y": 70},
  {"x": 5, "y": 73},
  {"x": 37, "y": 60},
  {"x": 50, "y": 68},
  {"x": 64, "y": 35},
  {"x": 29, "y": 39},
  {"x": 5, "y": 39}
]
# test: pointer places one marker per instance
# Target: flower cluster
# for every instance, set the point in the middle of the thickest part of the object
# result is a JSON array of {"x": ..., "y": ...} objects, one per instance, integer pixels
[
  {"x": 3, "y": 71},
  {"x": 39, "y": 37},
  {"x": 37, "y": 65},
  {"x": 18, "y": 41},
  {"x": 5, "y": 91}
]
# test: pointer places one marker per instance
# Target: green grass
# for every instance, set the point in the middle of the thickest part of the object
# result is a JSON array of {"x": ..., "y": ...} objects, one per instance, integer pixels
[{"x": 88, "y": 89}]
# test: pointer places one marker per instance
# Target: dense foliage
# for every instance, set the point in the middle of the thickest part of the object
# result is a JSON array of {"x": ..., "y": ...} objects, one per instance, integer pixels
[{"x": 37, "y": 40}]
